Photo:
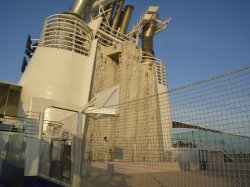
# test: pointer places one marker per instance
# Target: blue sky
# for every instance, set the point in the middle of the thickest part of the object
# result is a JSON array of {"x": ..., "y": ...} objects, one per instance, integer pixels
[{"x": 205, "y": 37}]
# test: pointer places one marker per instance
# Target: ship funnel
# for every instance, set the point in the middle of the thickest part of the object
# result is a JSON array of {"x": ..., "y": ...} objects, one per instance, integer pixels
[
  {"x": 148, "y": 34},
  {"x": 111, "y": 6},
  {"x": 126, "y": 18},
  {"x": 118, "y": 14},
  {"x": 79, "y": 7}
]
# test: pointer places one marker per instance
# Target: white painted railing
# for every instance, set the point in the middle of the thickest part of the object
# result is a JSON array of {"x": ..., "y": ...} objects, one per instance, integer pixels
[
  {"x": 160, "y": 65},
  {"x": 66, "y": 31}
]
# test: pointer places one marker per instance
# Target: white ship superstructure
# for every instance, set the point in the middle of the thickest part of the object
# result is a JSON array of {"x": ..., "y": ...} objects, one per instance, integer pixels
[
  {"x": 92, "y": 109},
  {"x": 88, "y": 52}
]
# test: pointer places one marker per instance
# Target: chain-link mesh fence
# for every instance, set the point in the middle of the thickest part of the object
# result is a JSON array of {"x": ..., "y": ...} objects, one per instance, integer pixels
[
  {"x": 203, "y": 139},
  {"x": 55, "y": 151},
  {"x": 197, "y": 135}
]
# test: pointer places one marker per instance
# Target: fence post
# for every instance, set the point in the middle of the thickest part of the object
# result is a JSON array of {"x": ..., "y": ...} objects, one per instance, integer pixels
[
  {"x": 77, "y": 154},
  {"x": 40, "y": 126}
]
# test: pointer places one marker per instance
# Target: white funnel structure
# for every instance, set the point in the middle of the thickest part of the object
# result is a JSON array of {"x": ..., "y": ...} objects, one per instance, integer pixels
[
  {"x": 59, "y": 74},
  {"x": 60, "y": 70}
]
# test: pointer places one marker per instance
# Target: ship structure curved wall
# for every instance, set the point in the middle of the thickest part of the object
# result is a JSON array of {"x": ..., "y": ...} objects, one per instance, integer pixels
[
  {"x": 60, "y": 71},
  {"x": 57, "y": 75}
]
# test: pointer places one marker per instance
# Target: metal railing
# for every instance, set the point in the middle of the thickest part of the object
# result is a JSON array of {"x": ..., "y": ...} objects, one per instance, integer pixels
[
  {"x": 161, "y": 68},
  {"x": 109, "y": 36},
  {"x": 66, "y": 31},
  {"x": 27, "y": 126}
]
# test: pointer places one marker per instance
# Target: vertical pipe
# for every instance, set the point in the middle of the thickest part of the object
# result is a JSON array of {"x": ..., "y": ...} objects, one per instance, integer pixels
[
  {"x": 79, "y": 7},
  {"x": 111, "y": 6},
  {"x": 118, "y": 14},
  {"x": 126, "y": 18},
  {"x": 148, "y": 36}
]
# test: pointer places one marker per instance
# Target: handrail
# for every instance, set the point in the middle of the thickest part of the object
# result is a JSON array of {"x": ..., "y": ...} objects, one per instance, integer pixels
[
  {"x": 111, "y": 36},
  {"x": 161, "y": 72},
  {"x": 115, "y": 33},
  {"x": 66, "y": 31},
  {"x": 57, "y": 131},
  {"x": 27, "y": 126}
]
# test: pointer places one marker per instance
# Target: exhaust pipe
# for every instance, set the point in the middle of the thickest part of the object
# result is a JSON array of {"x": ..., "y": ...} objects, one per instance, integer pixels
[
  {"x": 111, "y": 6},
  {"x": 79, "y": 7},
  {"x": 148, "y": 36},
  {"x": 126, "y": 18},
  {"x": 118, "y": 14}
]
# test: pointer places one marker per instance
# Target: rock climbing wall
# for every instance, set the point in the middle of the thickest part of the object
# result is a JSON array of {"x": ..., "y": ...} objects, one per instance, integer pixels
[{"x": 136, "y": 133}]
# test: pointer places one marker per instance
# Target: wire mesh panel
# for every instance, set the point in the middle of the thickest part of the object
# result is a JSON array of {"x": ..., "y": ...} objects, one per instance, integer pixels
[
  {"x": 213, "y": 118},
  {"x": 203, "y": 139},
  {"x": 55, "y": 151},
  {"x": 197, "y": 135}
]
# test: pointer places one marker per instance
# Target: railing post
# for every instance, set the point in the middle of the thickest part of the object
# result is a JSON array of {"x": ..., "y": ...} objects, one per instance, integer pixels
[{"x": 77, "y": 154}]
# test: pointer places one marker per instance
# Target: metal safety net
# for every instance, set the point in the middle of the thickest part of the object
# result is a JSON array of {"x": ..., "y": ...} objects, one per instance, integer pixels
[{"x": 196, "y": 135}]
